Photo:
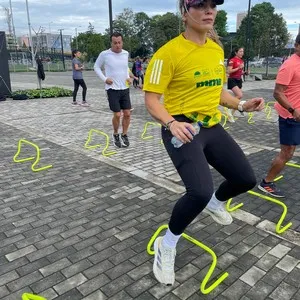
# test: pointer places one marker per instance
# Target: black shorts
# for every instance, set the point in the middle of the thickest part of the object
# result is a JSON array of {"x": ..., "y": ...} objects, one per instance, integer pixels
[
  {"x": 118, "y": 100},
  {"x": 289, "y": 132},
  {"x": 232, "y": 82}
]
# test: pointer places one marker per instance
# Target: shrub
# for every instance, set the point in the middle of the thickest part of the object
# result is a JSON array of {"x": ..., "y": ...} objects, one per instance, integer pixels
[{"x": 52, "y": 92}]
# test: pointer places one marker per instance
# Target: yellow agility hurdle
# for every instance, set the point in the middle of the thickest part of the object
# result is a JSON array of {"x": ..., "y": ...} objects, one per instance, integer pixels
[
  {"x": 268, "y": 109},
  {"x": 225, "y": 117},
  {"x": 250, "y": 117},
  {"x": 37, "y": 157},
  {"x": 293, "y": 165},
  {"x": 279, "y": 229},
  {"x": 143, "y": 137},
  {"x": 99, "y": 132},
  {"x": 27, "y": 296},
  {"x": 231, "y": 209},
  {"x": 203, "y": 288}
]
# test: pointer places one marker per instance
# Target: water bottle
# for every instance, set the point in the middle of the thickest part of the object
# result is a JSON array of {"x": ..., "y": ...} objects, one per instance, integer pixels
[{"x": 177, "y": 143}]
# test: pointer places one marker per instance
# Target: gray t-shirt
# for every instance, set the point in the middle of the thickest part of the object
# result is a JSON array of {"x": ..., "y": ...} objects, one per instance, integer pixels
[{"x": 76, "y": 73}]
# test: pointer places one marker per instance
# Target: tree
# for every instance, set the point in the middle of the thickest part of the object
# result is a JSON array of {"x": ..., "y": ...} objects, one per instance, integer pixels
[
  {"x": 221, "y": 23},
  {"x": 164, "y": 28},
  {"x": 91, "y": 28},
  {"x": 268, "y": 32},
  {"x": 90, "y": 43},
  {"x": 141, "y": 30}
]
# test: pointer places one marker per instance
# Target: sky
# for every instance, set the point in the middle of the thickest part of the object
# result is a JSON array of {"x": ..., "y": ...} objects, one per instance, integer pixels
[{"x": 75, "y": 15}]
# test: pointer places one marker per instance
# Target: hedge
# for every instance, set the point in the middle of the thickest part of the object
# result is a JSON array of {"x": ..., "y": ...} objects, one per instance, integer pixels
[{"x": 52, "y": 92}]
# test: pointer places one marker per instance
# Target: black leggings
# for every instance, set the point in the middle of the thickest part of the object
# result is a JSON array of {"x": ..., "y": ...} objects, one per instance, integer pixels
[
  {"x": 77, "y": 83},
  {"x": 212, "y": 146}
]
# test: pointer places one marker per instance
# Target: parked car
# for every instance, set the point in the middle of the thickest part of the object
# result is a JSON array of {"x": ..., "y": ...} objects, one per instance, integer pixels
[
  {"x": 273, "y": 62},
  {"x": 257, "y": 63}
]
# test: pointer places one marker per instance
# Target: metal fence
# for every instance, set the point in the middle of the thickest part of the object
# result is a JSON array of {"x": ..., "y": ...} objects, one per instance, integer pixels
[{"x": 48, "y": 66}]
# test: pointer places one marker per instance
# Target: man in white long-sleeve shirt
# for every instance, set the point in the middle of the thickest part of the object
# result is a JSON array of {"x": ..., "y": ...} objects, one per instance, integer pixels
[{"x": 117, "y": 80}]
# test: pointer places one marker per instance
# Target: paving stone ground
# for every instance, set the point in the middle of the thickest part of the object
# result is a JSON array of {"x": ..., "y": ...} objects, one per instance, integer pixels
[{"x": 79, "y": 230}]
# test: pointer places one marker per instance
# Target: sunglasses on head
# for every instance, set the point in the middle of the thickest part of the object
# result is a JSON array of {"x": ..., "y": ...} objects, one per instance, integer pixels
[{"x": 201, "y": 3}]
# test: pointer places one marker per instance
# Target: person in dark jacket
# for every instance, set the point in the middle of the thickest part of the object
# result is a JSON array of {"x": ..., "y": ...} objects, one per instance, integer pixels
[{"x": 40, "y": 69}]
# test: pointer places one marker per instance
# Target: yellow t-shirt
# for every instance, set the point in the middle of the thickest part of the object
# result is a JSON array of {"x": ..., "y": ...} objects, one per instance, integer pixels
[{"x": 191, "y": 77}]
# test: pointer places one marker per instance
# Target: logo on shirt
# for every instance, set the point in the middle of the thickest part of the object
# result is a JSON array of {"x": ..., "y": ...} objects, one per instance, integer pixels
[
  {"x": 209, "y": 83},
  {"x": 197, "y": 74}
]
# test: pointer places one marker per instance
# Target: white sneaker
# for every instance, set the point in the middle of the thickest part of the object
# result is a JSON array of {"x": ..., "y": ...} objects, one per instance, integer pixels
[
  {"x": 220, "y": 214},
  {"x": 230, "y": 117},
  {"x": 164, "y": 260}
]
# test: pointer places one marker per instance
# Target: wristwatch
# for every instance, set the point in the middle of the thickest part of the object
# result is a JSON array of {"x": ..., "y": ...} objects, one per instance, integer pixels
[
  {"x": 240, "y": 106},
  {"x": 291, "y": 110}
]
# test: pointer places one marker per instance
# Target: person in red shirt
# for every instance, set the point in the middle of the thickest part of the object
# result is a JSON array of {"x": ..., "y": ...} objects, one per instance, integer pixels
[
  {"x": 287, "y": 95},
  {"x": 235, "y": 71}
]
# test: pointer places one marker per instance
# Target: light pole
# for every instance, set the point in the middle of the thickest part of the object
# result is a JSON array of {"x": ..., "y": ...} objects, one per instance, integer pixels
[
  {"x": 12, "y": 23},
  {"x": 248, "y": 35},
  {"x": 298, "y": 27},
  {"x": 76, "y": 37},
  {"x": 30, "y": 36},
  {"x": 110, "y": 17},
  {"x": 50, "y": 26},
  {"x": 62, "y": 49}
]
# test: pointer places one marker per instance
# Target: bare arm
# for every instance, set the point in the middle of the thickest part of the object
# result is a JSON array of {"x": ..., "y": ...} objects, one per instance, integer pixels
[
  {"x": 230, "y": 69},
  {"x": 156, "y": 109},
  {"x": 131, "y": 75},
  {"x": 77, "y": 68},
  {"x": 181, "y": 130},
  {"x": 227, "y": 100},
  {"x": 281, "y": 98}
]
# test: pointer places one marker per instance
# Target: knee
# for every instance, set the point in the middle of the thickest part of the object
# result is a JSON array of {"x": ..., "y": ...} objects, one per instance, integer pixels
[
  {"x": 239, "y": 95},
  {"x": 287, "y": 154},
  {"x": 248, "y": 182},
  {"x": 117, "y": 115},
  {"x": 126, "y": 114},
  {"x": 201, "y": 195}
]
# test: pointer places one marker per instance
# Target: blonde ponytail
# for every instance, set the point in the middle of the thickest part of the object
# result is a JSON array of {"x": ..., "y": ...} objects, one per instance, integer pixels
[{"x": 213, "y": 35}]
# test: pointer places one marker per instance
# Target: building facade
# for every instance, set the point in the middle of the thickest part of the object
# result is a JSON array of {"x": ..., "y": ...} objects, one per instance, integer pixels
[{"x": 239, "y": 18}]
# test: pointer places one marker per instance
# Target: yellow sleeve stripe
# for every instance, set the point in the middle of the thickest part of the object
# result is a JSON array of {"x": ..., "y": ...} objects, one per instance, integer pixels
[{"x": 156, "y": 71}]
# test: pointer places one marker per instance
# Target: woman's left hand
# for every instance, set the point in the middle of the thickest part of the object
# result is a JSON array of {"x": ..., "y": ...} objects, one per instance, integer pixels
[{"x": 255, "y": 104}]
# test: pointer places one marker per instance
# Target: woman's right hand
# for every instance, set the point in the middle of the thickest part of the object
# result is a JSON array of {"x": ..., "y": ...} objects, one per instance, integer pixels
[{"x": 183, "y": 131}]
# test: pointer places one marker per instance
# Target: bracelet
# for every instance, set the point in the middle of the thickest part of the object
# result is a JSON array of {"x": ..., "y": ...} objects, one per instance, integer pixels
[
  {"x": 240, "y": 106},
  {"x": 169, "y": 123}
]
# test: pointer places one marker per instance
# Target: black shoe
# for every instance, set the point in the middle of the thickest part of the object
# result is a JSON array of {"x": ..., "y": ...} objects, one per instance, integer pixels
[
  {"x": 124, "y": 140},
  {"x": 271, "y": 189},
  {"x": 116, "y": 140}
]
